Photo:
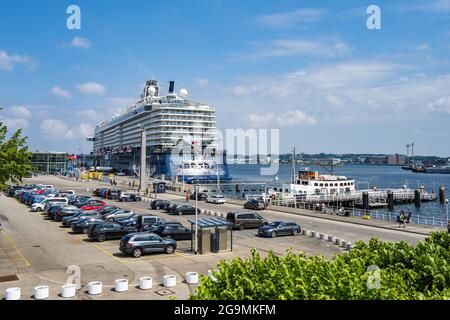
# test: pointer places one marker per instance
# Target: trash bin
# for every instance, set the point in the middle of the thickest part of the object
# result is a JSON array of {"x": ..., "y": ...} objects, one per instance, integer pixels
[{"x": 214, "y": 243}]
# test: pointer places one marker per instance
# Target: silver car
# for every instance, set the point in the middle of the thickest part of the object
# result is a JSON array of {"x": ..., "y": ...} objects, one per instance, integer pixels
[{"x": 117, "y": 214}]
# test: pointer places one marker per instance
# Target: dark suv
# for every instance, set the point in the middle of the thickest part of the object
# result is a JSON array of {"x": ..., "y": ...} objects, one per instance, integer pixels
[
  {"x": 136, "y": 244},
  {"x": 246, "y": 220},
  {"x": 255, "y": 204},
  {"x": 280, "y": 228},
  {"x": 103, "y": 231},
  {"x": 184, "y": 209},
  {"x": 174, "y": 231}
]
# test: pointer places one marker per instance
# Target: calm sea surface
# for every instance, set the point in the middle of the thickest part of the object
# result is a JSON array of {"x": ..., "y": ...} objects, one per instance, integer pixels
[{"x": 365, "y": 175}]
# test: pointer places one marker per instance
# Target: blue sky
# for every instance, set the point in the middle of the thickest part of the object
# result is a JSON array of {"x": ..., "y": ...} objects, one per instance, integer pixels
[{"x": 310, "y": 68}]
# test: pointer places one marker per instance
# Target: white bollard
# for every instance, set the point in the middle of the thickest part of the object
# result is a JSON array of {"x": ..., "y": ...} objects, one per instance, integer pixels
[
  {"x": 68, "y": 290},
  {"x": 308, "y": 233},
  {"x": 344, "y": 244},
  {"x": 13, "y": 294},
  {"x": 324, "y": 236},
  {"x": 121, "y": 285},
  {"x": 303, "y": 232},
  {"x": 191, "y": 277},
  {"x": 313, "y": 233},
  {"x": 349, "y": 246},
  {"x": 319, "y": 235},
  {"x": 95, "y": 287},
  {"x": 337, "y": 241},
  {"x": 145, "y": 283},
  {"x": 331, "y": 238},
  {"x": 170, "y": 281},
  {"x": 41, "y": 292}
]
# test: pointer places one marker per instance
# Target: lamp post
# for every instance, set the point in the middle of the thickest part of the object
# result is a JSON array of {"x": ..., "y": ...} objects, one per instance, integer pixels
[
  {"x": 446, "y": 211},
  {"x": 196, "y": 221}
]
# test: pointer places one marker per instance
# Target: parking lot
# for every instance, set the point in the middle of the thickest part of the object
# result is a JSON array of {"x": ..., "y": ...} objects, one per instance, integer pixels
[{"x": 38, "y": 251}]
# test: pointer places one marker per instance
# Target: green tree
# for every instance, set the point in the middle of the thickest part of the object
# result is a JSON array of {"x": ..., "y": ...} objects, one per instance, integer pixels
[{"x": 14, "y": 156}]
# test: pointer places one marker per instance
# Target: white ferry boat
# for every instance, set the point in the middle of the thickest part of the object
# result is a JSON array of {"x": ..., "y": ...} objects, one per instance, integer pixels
[{"x": 309, "y": 182}]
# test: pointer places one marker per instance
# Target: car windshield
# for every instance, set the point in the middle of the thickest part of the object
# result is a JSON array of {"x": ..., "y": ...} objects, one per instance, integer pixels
[{"x": 275, "y": 224}]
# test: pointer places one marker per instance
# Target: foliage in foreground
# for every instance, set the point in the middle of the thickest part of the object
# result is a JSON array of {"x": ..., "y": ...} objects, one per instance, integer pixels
[
  {"x": 407, "y": 272},
  {"x": 14, "y": 157}
]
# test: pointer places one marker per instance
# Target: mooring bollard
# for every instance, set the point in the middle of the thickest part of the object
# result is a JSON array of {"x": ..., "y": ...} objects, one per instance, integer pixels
[
  {"x": 145, "y": 283},
  {"x": 121, "y": 285},
  {"x": 170, "y": 281},
  {"x": 13, "y": 294},
  {"x": 191, "y": 277},
  {"x": 68, "y": 290},
  {"x": 95, "y": 288},
  {"x": 41, "y": 292}
]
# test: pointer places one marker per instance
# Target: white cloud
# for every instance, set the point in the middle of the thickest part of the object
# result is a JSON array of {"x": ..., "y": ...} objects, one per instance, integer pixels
[
  {"x": 21, "y": 111},
  {"x": 88, "y": 113},
  {"x": 85, "y": 130},
  {"x": 440, "y": 105},
  {"x": 54, "y": 128},
  {"x": 9, "y": 62},
  {"x": 291, "y": 18},
  {"x": 296, "y": 48},
  {"x": 14, "y": 124},
  {"x": 241, "y": 91},
  {"x": 92, "y": 88},
  {"x": 60, "y": 92},
  {"x": 432, "y": 6},
  {"x": 286, "y": 119},
  {"x": 79, "y": 42}
]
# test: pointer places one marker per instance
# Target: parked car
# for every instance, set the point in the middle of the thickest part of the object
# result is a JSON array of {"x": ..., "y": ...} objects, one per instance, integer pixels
[
  {"x": 201, "y": 196},
  {"x": 65, "y": 211},
  {"x": 114, "y": 194},
  {"x": 217, "y": 199},
  {"x": 75, "y": 200},
  {"x": 171, "y": 207},
  {"x": 51, "y": 211},
  {"x": 44, "y": 205},
  {"x": 103, "y": 231},
  {"x": 127, "y": 197},
  {"x": 108, "y": 209},
  {"x": 158, "y": 204},
  {"x": 82, "y": 225},
  {"x": 66, "y": 221},
  {"x": 173, "y": 231},
  {"x": 246, "y": 220},
  {"x": 146, "y": 222},
  {"x": 136, "y": 244},
  {"x": 159, "y": 225},
  {"x": 184, "y": 209},
  {"x": 255, "y": 204},
  {"x": 279, "y": 228},
  {"x": 12, "y": 189},
  {"x": 117, "y": 214},
  {"x": 93, "y": 205}
]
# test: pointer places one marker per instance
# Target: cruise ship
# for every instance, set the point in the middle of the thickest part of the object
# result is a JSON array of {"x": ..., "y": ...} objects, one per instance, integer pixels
[{"x": 182, "y": 138}]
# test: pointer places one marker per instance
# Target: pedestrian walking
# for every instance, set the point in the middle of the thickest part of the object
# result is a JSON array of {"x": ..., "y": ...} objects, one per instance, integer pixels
[
  {"x": 408, "y": 220},
  {"x": 402, "y": 219}
]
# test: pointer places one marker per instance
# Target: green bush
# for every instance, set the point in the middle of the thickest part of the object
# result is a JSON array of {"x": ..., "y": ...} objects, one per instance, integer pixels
[{"x": 406, "y": 272}]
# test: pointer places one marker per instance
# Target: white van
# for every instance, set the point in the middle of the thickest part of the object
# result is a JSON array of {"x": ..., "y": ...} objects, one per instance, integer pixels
[{"x": 41, "y": 206}]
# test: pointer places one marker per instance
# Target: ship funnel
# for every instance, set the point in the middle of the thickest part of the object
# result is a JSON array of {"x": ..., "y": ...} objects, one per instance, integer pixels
[{"x": 171, "y": 87}]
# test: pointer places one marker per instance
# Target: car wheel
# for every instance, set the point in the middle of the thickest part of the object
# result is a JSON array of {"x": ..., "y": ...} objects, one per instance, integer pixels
[
  {"x": 273, "y": 234},
  {"x": 295, "y": 232},
  {"x": 137, "y": 252},
  {"x": 170, "y": 249},
  {"x": 85, "y": 230},
  {"x": 168, "y": 236},
  {"x": 39, "y": 210},
  {"x": 241, "y": 227},
  {"x": 180, "y": 213},
  {"x": 158, "y": 207},
  {"x": 111, "y": 219},
  {"x": 101, "y": 238}
]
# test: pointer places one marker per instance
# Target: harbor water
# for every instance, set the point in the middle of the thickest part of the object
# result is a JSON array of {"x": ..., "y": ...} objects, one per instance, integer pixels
[{"x": 366, "y": 176}]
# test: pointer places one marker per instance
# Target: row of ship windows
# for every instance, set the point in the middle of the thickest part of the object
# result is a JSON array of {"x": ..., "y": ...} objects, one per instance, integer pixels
[{"x": 342, "y": 184}]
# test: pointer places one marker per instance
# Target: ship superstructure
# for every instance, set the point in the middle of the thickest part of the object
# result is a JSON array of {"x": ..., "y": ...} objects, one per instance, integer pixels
[{"x": 182, "y": 136}]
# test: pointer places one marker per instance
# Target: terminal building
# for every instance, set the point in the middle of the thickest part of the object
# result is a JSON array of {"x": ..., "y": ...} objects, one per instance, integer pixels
[{"x": 48, "y": 162}]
